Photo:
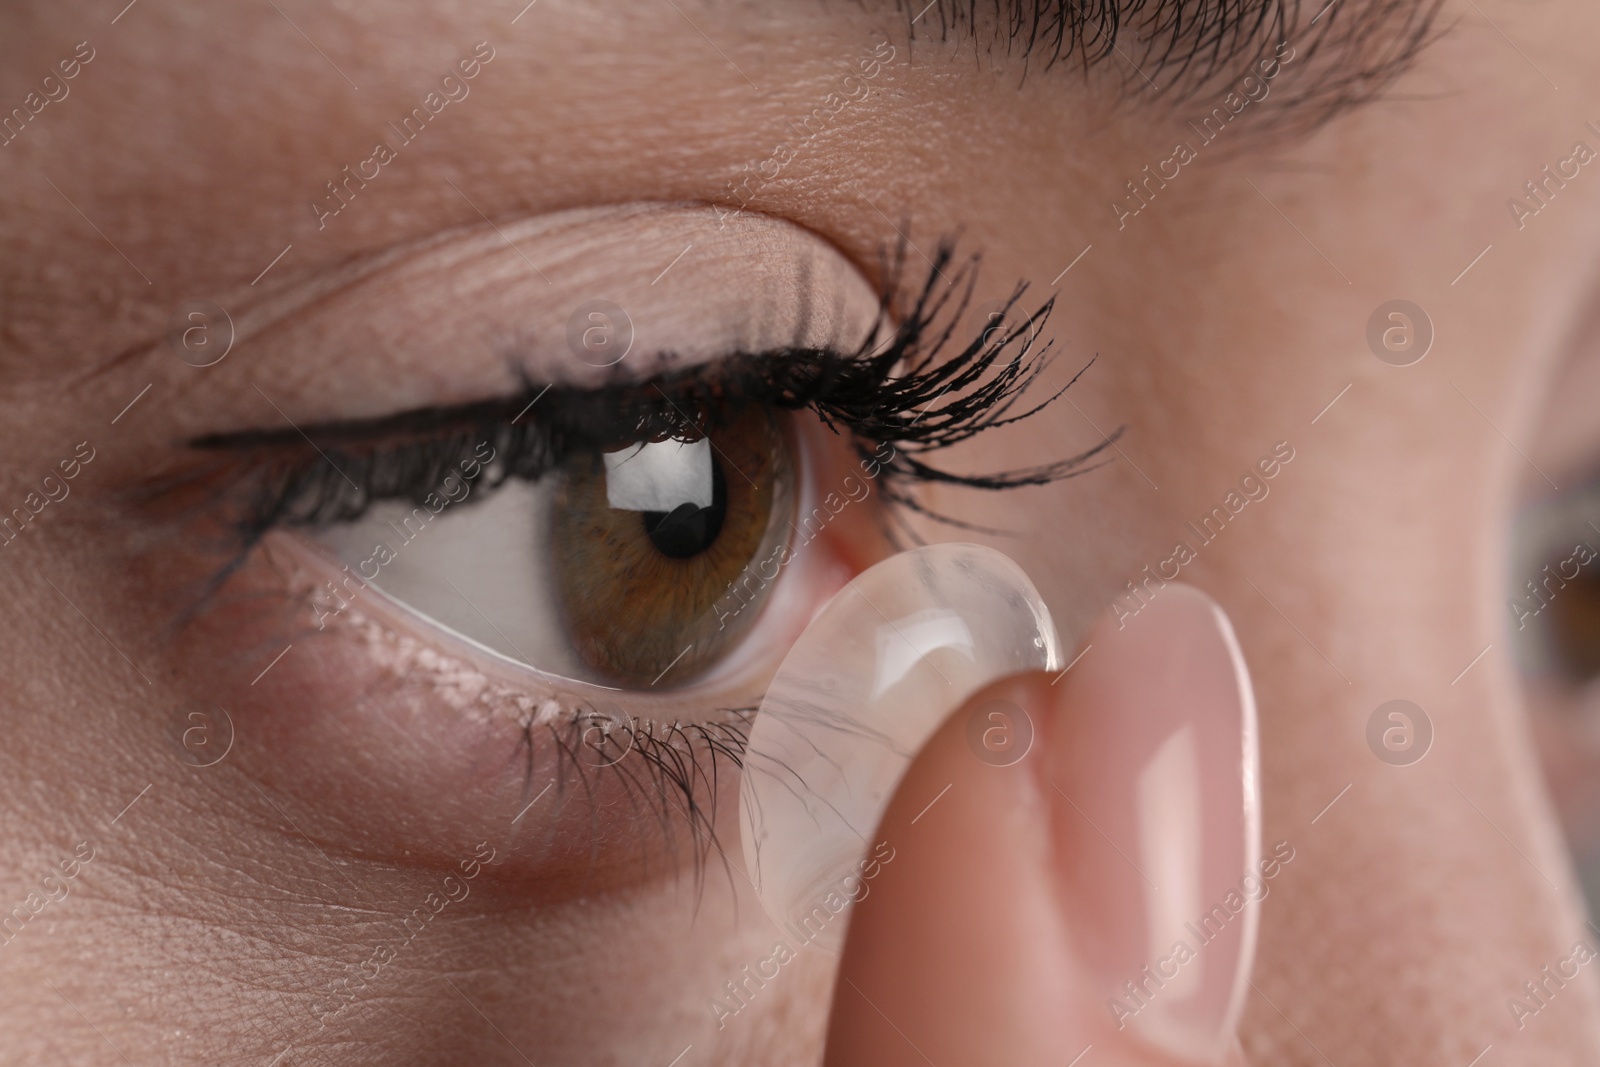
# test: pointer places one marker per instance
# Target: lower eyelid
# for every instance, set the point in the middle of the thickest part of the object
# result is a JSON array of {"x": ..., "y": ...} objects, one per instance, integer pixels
[
  {"x": 469, "y": 681},
  {"x": 384, "y": 744}
]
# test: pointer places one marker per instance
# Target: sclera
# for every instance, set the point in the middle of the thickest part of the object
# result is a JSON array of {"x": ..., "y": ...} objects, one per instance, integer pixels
[{"x": 882, "y": 664}]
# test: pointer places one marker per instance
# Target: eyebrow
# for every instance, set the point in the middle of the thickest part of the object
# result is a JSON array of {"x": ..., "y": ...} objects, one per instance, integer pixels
[{"x": 1177, "y": 50}]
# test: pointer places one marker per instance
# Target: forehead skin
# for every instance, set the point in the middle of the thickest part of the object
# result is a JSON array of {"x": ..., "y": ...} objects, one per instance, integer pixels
[{"x": 1223, "y": 318}]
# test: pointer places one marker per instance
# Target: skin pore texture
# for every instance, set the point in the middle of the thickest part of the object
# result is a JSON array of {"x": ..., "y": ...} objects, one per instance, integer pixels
[{"x": 226, "y": 910}]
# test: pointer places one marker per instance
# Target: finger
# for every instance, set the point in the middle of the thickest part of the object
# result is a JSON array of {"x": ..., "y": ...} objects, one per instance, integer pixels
[{"x": 1093, "y": 897}]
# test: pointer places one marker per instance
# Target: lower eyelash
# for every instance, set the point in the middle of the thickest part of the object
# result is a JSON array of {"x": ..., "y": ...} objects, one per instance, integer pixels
[{"x": 680, "y": 761}]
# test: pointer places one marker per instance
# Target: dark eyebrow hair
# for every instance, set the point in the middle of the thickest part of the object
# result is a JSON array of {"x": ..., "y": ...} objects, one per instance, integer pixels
[{"x": 1177, "y": 49}]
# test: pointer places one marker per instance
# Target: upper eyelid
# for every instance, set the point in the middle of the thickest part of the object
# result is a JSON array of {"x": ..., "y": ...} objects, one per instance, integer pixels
[
  {"x": 719, "y": 375},
  {"x": 738, "y": 376},
  {"x": 910, "y": 395},
  {"x": 469, "y": 313}
]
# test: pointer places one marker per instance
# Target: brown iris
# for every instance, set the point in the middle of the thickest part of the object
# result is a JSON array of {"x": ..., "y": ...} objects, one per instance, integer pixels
[{"x": 653, "y": 548}]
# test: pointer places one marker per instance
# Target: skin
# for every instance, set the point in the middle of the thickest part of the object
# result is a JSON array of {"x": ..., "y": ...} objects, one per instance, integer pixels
[{"x": 219, "y": 907}]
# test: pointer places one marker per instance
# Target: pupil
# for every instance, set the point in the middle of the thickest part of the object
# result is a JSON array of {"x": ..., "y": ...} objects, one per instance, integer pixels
[{"x": 686, "y": 531}]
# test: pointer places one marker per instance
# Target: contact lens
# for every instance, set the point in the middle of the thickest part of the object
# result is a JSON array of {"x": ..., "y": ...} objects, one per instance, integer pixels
[{"x": 879, "y": 668}]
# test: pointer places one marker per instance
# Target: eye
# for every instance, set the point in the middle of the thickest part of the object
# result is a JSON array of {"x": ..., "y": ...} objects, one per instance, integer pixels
[
  {"x": 495, "y": 581},
  {"x": 1555, "y": 597},
  {"x": 644, "y": 527},
  {"x": 621, "y": 567},
  {"x": 1553, "y": 622}
]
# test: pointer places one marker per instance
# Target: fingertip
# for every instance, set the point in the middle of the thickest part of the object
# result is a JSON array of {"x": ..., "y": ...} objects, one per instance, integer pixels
[
  {"x": 951, "y": 958},
  {"x": 1075, "y": 859}
]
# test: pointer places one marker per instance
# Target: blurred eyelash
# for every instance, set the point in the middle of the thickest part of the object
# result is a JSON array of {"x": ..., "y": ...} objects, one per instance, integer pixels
[
  {"x": 1178, "y": 47},
  {"x": 907, "y": 386}
]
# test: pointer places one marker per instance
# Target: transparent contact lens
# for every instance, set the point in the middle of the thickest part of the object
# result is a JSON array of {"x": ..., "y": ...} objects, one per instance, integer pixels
[{"x": 880, "y": 667}]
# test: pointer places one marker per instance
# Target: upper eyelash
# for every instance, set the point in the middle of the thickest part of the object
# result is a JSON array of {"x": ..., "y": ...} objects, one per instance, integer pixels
[{"x": 913, "y": 393}]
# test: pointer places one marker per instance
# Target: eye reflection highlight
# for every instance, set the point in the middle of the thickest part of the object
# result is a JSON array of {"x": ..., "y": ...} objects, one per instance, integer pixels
[{"x": 678, "y": 486}]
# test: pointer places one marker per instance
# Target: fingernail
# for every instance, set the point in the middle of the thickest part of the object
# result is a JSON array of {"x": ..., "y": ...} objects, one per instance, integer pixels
[{"x": 1152, "y": 767}]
